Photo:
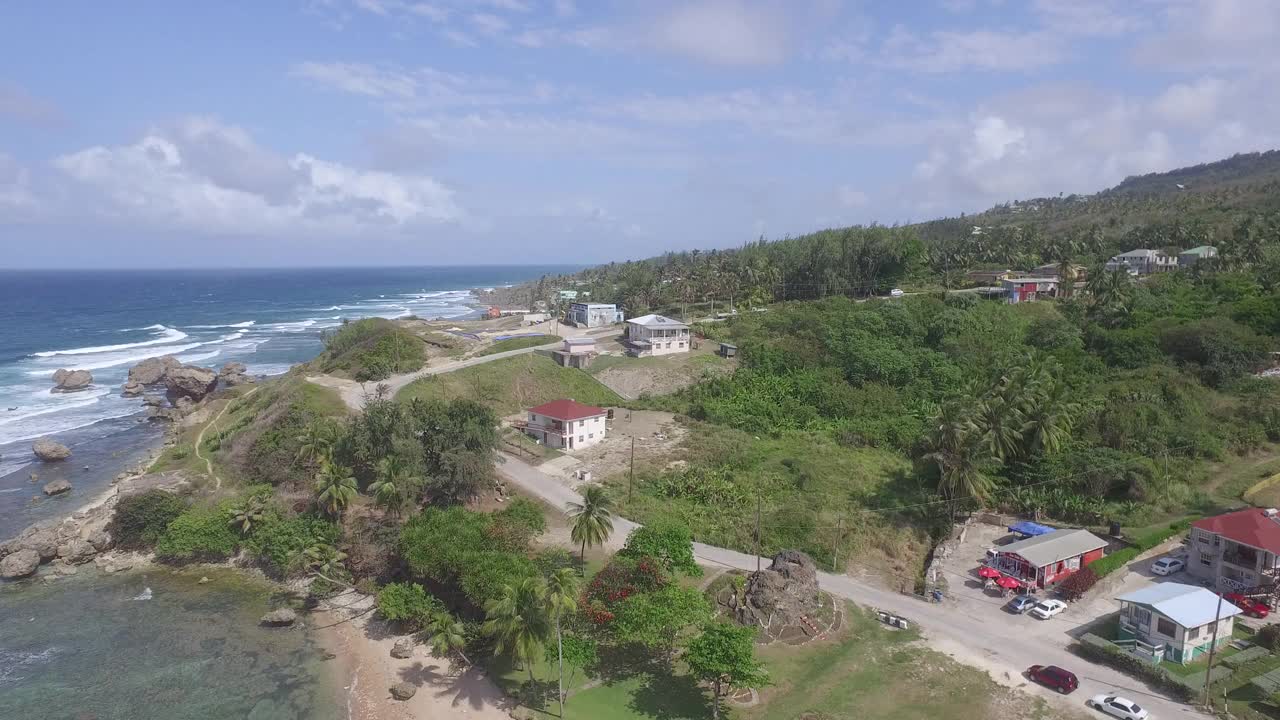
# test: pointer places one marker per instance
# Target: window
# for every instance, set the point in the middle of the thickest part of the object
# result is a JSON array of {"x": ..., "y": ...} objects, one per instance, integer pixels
[
  {"x": 1206, "y": 559},
  {"x": 579, "y": 438},
  {"x": 591, "y": 435},
  {"x": 681, "y": 345},
  {"x": 1193, "y": 633},
  {"x": 1165, "y": 627},
  {"x": 1073, "y": 564},
  {"x": 582, "y": 423},
  {"x": 533, "y": 418},
  {"x": 668, "y": 344}
]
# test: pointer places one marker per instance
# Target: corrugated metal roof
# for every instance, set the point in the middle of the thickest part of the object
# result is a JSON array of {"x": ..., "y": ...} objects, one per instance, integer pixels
[
  {"x": 1251, "y": 526},
  {"x": 1187, "y": 605},
  {"x": 1055, "y": 546},
  {"x": 567, "y": 410}
]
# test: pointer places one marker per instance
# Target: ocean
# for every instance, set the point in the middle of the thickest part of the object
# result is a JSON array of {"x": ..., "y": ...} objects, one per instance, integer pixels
[
  {"x": 155, "y": 643},
  {"x": 106, "y": 322}
]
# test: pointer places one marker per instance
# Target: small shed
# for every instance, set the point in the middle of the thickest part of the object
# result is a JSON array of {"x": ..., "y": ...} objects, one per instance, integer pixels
[{"x": 727, "y": 350}]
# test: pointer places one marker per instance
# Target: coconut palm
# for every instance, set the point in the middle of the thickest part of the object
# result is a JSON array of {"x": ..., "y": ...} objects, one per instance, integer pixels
[
  {"x": 315, "y": 444},
  {"x": 518, "y": 621},
  {"x": 394, "y": 484},
  {"x": 592, "y": 518},
  {"x": 248, "y": 514},
  {"x": 1001, "y": 421},
  {"x": 963, "y": 471},
  {"x": 447, "y": 635},
  {"x": 562, "y": 599},
  {"x": 335, "y": 488},
  {"x": 1050, "y": 418}
]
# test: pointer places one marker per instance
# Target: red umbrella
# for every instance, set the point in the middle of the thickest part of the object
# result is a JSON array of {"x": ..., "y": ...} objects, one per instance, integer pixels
[
  {"x": 1008, "y": 582},
  {"x": 986, "y": 571}
]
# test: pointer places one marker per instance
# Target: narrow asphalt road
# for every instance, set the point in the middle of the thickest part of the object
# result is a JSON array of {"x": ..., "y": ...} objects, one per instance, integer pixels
[{"x": 959, "y": 625}]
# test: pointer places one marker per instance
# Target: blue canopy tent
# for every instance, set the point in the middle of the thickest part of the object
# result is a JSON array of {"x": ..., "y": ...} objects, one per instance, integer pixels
[{"x": 1028, "y": 529}]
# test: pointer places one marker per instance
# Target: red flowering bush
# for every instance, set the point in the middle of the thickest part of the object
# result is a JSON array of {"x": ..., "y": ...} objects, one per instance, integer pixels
[{"x": 619, "y": 580}]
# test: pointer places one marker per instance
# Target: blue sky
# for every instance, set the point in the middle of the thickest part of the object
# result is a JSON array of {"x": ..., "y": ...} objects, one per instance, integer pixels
[{"x": 336, "y": 132}]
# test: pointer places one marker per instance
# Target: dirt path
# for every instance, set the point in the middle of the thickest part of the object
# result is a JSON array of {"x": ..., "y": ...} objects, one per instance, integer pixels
[{"x": 208, "y": 463}]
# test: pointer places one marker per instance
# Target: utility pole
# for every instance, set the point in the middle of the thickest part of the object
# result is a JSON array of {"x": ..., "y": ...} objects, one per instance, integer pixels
[
  {"x": 757, "y": 531},
  {"x": 1213, "y": 645},
  {"x": 835, "y": 546},
  {"x": 631, "y": 480}
]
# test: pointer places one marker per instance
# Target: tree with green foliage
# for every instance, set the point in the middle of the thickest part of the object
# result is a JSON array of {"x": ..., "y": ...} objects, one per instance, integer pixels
[
  {"x": 518, "y": 622},
  {"x": 592, "y": 518},
  {"x": 724, "y": 655},
  {"x": 139, "y": 521},
  {"x": 476, "y": 552},
  {"x": 408, "y": 603},
  {"x": 656, "y": 620},
  {"x": 668, "y": 541},
  {"x": 199, "y": 534},
  {"x": 562, "y": 600},
  {"x": 577, "y": 650},
  {"x": 248, "y": 514},
  {"x": 448, "y": 636},
  {"x": 335, "y": 489},
  {"x": 315, "y": 444},
  {"x": 396, "y": 484}
]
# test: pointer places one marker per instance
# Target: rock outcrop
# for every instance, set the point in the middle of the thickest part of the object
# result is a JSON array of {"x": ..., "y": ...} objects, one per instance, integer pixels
[
  {"x": 101, "y": 540},
  {"x": 68, "y": 381},
  {"x": 190, "y": 382},
  {"x": 403, "y": 691},
  {"x": 152, "y": 370},
  {"x": 57, "y": 487},
  {"x": 403, "y": 649},
  {"x": 42, "y": 541},
  {"x": 233, "y": 373},
  {"x": 76, "y": 551},
  {"x": 280, "y": 618},
  {"x": 19, "y": 564},
  {"x": 49, "y": 450},
  {"x": 133, "y": 389},
  {"x": 784, "y": 595}
]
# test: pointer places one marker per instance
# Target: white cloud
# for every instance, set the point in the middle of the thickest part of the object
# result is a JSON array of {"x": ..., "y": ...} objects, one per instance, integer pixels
[
  {"x": 209, "y": 177},
  {"x": 1096, "y": 18},
  {"x": 1193, "y": 104},
  {"x": 359, "y": 78},
  {"x": 1215, "y": 35},
  {"x": 850, "y": 197},
  {"x": 725, "y": 32},
  {"x": 952, "y": 51},
  {"x": 489, "y": 24},
  {"x": 15, "y": 187}
]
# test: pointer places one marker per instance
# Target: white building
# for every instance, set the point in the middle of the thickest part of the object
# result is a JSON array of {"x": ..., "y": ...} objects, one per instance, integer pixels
[
  {"x": 566, "y": 424},
  {"x": 656, "y": 335},
  {"x": 593, "y": 314},
  {"x": 1142, "y": 262},
  {"x": 578, "y": 345},
  {"x": 1175, "y": 622}
]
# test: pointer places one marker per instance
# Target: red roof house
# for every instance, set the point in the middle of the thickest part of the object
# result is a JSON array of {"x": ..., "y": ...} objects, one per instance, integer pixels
[
  {"x": 1236, "y": 550},
  {"x": 566, "y": 424}
]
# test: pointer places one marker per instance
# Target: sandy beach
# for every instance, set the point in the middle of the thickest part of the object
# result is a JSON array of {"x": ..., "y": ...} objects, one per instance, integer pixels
[{"x": 367, "y": 671}]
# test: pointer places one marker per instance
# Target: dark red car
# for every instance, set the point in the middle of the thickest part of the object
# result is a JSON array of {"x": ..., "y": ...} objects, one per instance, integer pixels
[
  {"x": 1250, "y": 606},
  {"x": 1064, "y": 681}
]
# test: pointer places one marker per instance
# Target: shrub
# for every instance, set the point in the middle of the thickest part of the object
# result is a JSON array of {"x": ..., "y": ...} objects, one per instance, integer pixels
[
  {"x": 278, "y": 542},
  {"x": 670, "y": 542},
  {"x": 407, "y": 603},
  {"x": 140, "y": 520},
  {"x": 459, "y": 547},
  {"x": 1075, "y": 586},
  {"x": 1268, "y": 637},
  {"x": 1097, "y": 649},
  {"x": 1141, "y": 544},
  {"x": 198, "y": 535},
  {"x": 619, "y": 580}
]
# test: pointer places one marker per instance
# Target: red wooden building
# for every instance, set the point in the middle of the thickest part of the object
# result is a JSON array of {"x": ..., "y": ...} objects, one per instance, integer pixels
[{"x": 1048, "y": 559}]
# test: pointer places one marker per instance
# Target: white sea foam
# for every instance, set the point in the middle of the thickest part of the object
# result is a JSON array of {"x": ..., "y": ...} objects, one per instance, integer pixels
[
  {"x": 120, "y": 358},
  {"x": 167, "y": 335},
  {"x": 245, "y": 324}
]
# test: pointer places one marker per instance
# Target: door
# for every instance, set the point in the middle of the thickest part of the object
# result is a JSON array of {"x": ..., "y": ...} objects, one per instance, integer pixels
[{"x": 570, "y": 442}]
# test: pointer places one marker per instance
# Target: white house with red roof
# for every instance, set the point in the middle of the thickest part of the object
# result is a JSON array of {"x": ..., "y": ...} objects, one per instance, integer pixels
[
  {"x": 566, "y": 424},
  {"x": 1236, "y": 551}
]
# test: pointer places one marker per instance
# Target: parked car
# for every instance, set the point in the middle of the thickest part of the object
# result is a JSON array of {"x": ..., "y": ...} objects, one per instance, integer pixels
[
  {"x": 1021, "y": 604},
  {"x": 1167, "y": 566},
  {"x": 1116, "y": 706},
  {"x": 895, "y": 293},
  {"x": 1250, "y": 606},
  {"x": 1052, "y": 676},
  {"x": 1046, "y": 609}
]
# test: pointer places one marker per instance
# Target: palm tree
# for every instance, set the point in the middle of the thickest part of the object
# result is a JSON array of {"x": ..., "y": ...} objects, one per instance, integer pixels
[
  {"x": 391, "y": 489},
  {"x": 592, "y": 519},
  {"x": 562, "y": 598},
  {"x": 518, "y": 622},
  {"x": 245, "y": 515},
  {"x": 1001, "y": 421},
  {"x": 447, "y": 635},
  {"x": 315, "y": 444},
  {"x": 335, "y": 488},
  {"x": 1050, "y": 419},
  {"x": 962, "y": 471}
]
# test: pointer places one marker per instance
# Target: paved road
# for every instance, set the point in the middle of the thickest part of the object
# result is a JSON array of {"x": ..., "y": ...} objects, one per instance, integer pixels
[
  {"x": 956, "y": 626},
  {"x": 354, "y": 394}
]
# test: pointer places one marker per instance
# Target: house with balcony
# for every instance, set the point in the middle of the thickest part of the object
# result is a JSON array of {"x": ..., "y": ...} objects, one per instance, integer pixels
[
  {"x": 650, "y": 335},
  {"x": 1236, "y": 551},
  {"x": 1049, "y": 558},
  {"x": 1142, "y": 262},
  {"x": 591, "y": 315},
  {"x": 1174, "y": 622},
  {"x": 565, "y": 424}
]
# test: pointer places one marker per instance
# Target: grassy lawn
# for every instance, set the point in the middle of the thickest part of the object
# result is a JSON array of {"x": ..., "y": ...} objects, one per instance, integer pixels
[
  {"x": 518, "y": 343},
  {"x": 512, "y": 384},
  {"x": 1241, "y": 698}
]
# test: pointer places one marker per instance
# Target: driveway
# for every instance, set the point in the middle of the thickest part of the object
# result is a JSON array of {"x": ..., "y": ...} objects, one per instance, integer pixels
[{"x": 961, "y": 626}]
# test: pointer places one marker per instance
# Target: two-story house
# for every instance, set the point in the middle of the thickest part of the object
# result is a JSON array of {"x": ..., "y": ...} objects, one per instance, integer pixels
[
  {"x": 1143, "y": 262},
  {"x": 1175, "y": 622},
  {"x": 1237, "y": 550},
  {"x": 566, "y": 424},
  {"x": 656, "y": 335},
  {"x": 590, "y": 315}
]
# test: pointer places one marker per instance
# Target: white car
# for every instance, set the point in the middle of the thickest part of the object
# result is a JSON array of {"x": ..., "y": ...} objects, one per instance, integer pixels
[
  {"x": 895, "y": 293},
  {"x": 1046, "y": 609},
  {"x": 1117, "y": 706},
  {"x": 1167, "y": 566}
]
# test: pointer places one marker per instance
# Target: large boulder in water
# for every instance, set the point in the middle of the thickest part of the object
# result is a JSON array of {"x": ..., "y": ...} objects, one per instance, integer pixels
[
  {"x": 189, "y": 381},
  {"x": 76, "y": 551},
  {"x": 67, "y": 381},
  {"x": 19, "y": 564},
  {"x": 42, "y": 541},
  {"x": 280, "y": 618},
  {"x": 152, "y": 370},
  {"x": 57, "y": 487},
  {"x": 49, "y": 450},
  {"x": 233, "y": 373},
  {"x": 132, "y": 389}
]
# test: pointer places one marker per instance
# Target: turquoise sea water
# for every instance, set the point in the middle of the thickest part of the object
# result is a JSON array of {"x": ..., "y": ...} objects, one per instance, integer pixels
[{"x": 101, "y": 647}]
